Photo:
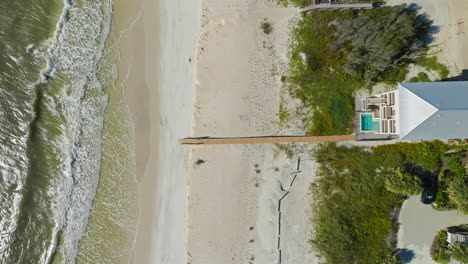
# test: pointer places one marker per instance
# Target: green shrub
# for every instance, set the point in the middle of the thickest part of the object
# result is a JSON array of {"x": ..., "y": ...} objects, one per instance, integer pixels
[
  {"x": 460, "y": 253},
  {"x": 452, "y": 183},
  {"x": 458, "y": 192},
  {"x": 442, "y": 200},
  {"x": 422, "y": 76},
  {"x": 335, "y": 53},
  {"x": 403, "y": 183},
  {"x": 266, "y": 26},
  {"x": 199, "y": 162},
  {"x": 352, "y": 197},
  {"x": 283, "y": 114},
  {"x": 439, "y": 250},
  {"x": 351, "y": 205},
  {"x": 432, "y": 64}
]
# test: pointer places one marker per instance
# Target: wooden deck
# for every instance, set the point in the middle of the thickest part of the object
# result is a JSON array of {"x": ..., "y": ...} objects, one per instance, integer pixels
[
  {"x": 335, "y": 7},
  {"x": 264, "y": 140}
]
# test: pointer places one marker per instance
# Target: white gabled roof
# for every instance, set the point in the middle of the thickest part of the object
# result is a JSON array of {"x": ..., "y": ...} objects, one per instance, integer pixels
[{"x": 435, "y": 110}]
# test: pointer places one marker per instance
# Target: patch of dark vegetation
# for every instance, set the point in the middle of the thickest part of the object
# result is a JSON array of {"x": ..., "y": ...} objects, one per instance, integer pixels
[
  {"x": 443, "y": 252},
  {"x": 335, "y": 53},
  {"x": 432, "y": 64},
  {"x": 452, "y": 183},
  {"x": 358, "y": 193},
  {"x": 199, "y": 162},
  {"x": 266, "y": 26}
]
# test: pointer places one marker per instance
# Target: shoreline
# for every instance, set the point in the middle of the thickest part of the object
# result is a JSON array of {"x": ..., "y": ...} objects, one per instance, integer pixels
[
  {"x": 187, "y": 212},
  {"x": 140, "y": 100}
]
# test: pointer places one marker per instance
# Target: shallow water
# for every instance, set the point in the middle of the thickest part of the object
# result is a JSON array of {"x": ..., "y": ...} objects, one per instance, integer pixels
[{"x": 55, "y": 80}]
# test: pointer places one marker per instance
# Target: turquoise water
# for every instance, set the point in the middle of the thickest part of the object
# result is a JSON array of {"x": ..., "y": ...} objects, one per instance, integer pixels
[
  {"x": 367, "y": 124},
  {"x": 53, "y": 100}
]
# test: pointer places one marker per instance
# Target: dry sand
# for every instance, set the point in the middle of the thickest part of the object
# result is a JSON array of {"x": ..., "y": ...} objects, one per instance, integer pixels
[
  {"x": 233, "y": 206},
  {"x": 233, "y": 195},
  {"x": 157, "y": 38},
  {"x": 237, "y": 93}
]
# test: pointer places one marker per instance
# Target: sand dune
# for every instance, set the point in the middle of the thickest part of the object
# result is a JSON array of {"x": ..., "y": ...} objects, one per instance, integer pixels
[{"x": 233, "y": 195}]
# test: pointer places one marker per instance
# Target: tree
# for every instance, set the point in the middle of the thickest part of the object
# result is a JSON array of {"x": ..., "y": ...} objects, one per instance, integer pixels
[
  {"x": 439, "y": 250},
  {"x": 403, "y": 183},
  {"x": 381, "y": 41},
  {"x": 460, "y": 253},
  {"x": 458, "y": 192}
]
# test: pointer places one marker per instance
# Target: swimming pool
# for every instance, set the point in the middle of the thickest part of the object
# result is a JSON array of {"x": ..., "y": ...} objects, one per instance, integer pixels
[{"x": 367, "y": 124}]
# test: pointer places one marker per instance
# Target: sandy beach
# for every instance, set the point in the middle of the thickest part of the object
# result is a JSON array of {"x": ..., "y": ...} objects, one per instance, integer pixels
[
  {"x": 233, "y": 196},
  {"x": 205, "y": 68},
  {"x": 157, "y": 38}
]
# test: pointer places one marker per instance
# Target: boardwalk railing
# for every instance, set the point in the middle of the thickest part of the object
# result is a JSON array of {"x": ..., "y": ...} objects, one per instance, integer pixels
[{"x": 264, "y": 140}]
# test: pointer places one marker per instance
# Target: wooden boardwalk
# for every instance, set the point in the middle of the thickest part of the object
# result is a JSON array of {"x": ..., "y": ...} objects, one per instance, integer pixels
[
  {"x": 264, "y": 140},
  {"x": 335, "y": 7}
]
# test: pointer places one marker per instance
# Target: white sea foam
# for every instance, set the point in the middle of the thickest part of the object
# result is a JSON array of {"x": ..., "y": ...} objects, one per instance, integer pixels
[{"x": 79, "y": 40}]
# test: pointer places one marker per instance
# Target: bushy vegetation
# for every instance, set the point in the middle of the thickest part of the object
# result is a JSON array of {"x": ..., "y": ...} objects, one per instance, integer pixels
[
  {"x": 351, "y": 207},
  {"x": 266, "y": 26},
  {"x": 355, "y": 197},
  {"x": 335, "y": 53},
  {"x": 458, "y": 193},
  {"x": 403, "y": 183},
  {"x": 452, "y": 183},
  {"x": 460, "y": 253},
  {"x": 432, "y": 64},
  {"x": 439, "y": 251},
  {"x": 421, "y": 77},
  {"x": 442, "y": 252},
  {"x": 379, "y": 43}
]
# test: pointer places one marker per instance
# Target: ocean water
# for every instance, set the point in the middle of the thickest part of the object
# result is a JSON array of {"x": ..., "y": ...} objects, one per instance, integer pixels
[{"x": 57, "y": 73}]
